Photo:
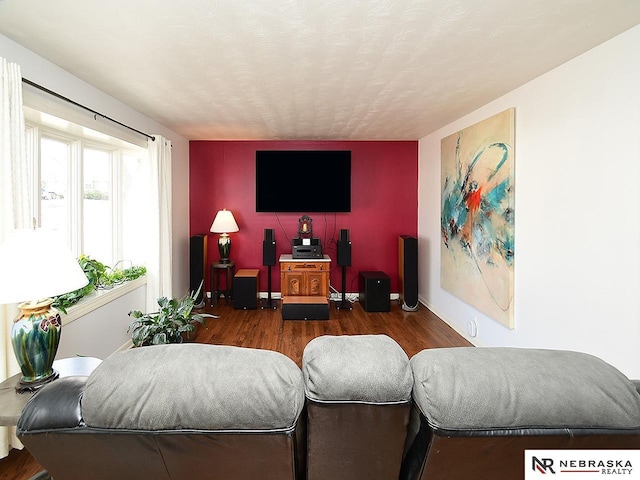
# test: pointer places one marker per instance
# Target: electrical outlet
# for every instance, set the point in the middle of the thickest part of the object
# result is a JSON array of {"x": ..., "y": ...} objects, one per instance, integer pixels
[{"x": 472, "y": 327}]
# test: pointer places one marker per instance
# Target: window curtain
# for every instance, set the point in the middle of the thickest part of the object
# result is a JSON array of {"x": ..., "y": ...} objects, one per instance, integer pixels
[
  {"x": 16, "y": 209},
  {"x": 159, "y": 270}
]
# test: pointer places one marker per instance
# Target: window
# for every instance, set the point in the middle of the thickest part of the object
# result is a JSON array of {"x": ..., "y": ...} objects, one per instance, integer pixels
[
  {"x": 90, "y": 186},
  {"x": 54, "y": 196},
  {"x": 97, "y": 204}
]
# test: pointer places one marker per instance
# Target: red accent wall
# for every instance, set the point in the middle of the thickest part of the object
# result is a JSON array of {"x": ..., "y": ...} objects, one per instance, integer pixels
[{"x": 384, "y": 204}]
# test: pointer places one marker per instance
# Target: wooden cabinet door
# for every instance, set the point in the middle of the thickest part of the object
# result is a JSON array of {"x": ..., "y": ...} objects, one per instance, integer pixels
[
  {"x": 293, "y": 283},
  {"x": 316, "y": 283}
]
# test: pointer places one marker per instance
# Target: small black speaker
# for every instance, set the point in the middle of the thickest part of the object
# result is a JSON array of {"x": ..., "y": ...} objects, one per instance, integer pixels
[
  {"x": 408, "y": 272},
  {"x": 269, "y": 248},
  {"x": 374, "y": 291},
  {"x": 245, "y": 289},
  {"x": 197, "y": 266},
  {"x": 344, "y": 249}
]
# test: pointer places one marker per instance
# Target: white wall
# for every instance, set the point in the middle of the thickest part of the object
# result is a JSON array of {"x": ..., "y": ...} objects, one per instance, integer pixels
[
  {"x": 44, "y": 73},
  {"x": 577, "y": 244},
  {"x": 102, "y": 331}
]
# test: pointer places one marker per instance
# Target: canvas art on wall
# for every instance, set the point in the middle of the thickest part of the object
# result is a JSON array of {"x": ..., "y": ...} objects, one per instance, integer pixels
[{"x": 477, "y": 216}]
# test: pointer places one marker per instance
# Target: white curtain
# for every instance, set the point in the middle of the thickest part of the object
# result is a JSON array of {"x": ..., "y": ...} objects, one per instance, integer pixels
[
  {"x": 159, "y": 270},
  {"x": 15, "y": 211}
]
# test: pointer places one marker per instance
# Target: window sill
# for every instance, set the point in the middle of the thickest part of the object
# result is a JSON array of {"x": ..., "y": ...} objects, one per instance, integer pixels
[{"x": 100, "y": 298}]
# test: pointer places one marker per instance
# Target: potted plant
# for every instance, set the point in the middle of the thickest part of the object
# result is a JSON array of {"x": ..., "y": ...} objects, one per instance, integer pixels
[{"x": 173, "y": 323}]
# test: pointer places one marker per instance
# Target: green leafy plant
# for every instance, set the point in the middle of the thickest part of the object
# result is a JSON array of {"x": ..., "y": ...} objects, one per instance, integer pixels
[
  {"x": 99, "y": 276},
  {"x": 171, "y": 324}
]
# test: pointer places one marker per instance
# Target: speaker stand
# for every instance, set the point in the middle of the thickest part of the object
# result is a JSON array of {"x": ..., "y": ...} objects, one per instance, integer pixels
[
  {"x": 344, "y": 304},
  {"x": 268, "y": 302}
]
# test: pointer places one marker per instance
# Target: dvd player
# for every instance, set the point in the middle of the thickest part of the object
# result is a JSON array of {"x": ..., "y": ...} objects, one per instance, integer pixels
[{"x": 307, "y": 251}]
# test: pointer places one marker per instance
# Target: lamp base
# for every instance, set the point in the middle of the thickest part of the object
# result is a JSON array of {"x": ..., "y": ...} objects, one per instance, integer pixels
[
  {"x": 35, "y": 336},
  {"x": 26, "y": 386},
  {"x": 224, "y": 247}
]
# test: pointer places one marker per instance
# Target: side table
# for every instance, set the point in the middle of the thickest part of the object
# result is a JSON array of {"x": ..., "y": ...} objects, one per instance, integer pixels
[
  {"x": 12, "y": 402},
  {"x": 229, "y": 269}
]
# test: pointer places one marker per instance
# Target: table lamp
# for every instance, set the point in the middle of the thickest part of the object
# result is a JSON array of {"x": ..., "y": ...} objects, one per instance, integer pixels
[
  {"x": 35, "y": 265},
  {"x": 224, "y": 223}
]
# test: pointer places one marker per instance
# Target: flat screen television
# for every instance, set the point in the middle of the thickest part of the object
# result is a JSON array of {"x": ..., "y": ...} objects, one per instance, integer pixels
[{"x": 303, "y": 181}]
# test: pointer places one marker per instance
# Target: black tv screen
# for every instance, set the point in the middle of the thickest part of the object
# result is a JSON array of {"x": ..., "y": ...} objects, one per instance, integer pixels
[{"x": 303, "y": 181}]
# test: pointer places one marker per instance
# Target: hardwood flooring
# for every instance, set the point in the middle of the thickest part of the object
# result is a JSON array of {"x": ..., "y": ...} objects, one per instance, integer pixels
[{"x": 414, "y": 331}]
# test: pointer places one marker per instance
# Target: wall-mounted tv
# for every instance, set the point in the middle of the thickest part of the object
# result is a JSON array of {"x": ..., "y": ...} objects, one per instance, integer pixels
[{"x": 303, "y": 181}]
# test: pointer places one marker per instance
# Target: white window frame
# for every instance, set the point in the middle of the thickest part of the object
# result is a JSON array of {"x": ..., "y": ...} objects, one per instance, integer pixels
[
  {"x": 36, "y": 129},
  {"x": 117, "y": 151}
]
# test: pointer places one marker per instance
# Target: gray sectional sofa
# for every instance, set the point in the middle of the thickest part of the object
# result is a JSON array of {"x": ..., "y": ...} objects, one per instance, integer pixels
[{"x": 357, "y": 409}]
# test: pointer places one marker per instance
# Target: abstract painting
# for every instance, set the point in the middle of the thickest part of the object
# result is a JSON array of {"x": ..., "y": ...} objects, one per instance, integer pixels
[{"x": 477, "y": 216}]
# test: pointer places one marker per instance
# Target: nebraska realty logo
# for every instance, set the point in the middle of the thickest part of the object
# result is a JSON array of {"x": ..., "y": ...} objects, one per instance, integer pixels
[{"x": 581, "y": 464}]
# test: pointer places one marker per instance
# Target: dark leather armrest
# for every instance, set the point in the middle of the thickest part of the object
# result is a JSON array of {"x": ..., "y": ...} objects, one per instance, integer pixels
[{"x": 56, "y": 405}]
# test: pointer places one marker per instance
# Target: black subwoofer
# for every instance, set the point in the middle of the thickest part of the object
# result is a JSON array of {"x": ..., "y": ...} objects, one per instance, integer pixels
[
  {"x": 374, "y": 291},
  {"x": 245, "y": 289}
]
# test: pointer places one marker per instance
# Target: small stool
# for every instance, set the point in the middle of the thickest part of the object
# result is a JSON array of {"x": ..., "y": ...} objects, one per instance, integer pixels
[{"x": 216, "y": 267}]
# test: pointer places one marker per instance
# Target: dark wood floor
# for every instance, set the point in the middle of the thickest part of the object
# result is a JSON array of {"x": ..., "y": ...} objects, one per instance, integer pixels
[{"x": 414, "y": 331}]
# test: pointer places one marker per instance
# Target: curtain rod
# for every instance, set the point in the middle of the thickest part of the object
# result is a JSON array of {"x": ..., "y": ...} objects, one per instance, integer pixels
[{"x": 61, "y": 97}]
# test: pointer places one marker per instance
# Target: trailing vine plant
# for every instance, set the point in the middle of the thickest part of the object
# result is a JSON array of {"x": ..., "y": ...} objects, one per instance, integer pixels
[{"x": 100, "y": 277}]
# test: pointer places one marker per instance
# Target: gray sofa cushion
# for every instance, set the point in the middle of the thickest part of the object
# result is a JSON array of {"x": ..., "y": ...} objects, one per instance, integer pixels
[
  {"x": 507, "y": 388},
  {"x": 194, "y": 386},
  {"x": 358, "y": 368}
]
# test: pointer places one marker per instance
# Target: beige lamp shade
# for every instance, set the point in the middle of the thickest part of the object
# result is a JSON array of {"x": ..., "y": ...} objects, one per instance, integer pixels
[{"x": 224, "y": 222}]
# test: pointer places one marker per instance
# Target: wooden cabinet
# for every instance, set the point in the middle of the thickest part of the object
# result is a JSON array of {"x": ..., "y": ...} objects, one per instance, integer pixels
[{"x": 304, "y": 277}]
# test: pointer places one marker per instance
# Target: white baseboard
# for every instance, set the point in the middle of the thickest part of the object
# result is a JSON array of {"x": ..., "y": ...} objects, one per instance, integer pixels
[
  {"x": 335, "y": 297},
  {"x": 442, "y": 317},
  {"x": 274, "y": 295}
]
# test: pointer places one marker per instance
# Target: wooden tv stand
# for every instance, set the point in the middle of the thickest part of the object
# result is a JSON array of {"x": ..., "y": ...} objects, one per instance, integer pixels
[{"x": 306, "y": 277}]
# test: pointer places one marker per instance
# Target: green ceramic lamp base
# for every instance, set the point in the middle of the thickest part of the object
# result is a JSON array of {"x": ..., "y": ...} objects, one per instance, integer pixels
[
  {"x": 224, "y": 247},
  {"x": 31, "y": 386},
  {"x": 35, "y": 336}
]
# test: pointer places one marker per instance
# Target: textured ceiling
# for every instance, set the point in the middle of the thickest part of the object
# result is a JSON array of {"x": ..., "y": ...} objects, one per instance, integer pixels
[{"x": 311, "y": 69}]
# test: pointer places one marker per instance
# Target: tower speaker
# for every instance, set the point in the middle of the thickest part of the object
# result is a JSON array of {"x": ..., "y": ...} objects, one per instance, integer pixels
[
  {"x": 344, "y": 249},
  {"x": 408, "y": 271},
  {"x": 269, "y": 248},
  {"x": 198, "y": 266}
]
